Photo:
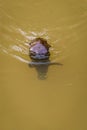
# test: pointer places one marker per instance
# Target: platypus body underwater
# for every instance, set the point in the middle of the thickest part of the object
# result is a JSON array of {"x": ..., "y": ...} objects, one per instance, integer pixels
[{"x": 39, "y": 50}]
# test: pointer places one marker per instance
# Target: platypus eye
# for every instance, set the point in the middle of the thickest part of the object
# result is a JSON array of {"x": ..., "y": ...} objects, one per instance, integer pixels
[
  {"x": 32, "y": 53},
  {"x": 47, "y": 54}
]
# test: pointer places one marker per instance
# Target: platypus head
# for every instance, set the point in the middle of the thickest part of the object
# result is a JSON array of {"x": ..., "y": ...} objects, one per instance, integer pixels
[{"x": 39, "y": 49}]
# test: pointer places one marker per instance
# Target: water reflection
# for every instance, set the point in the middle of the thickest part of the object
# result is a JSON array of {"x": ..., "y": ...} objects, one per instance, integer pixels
[{"x": 42, "y": 68}]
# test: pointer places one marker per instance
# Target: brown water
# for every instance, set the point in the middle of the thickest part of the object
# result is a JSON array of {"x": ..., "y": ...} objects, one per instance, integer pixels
[{"x": 59, "y": 101}]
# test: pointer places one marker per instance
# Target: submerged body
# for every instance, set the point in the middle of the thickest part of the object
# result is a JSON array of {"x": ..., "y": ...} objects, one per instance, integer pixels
[{"x": 39, "y": 49}]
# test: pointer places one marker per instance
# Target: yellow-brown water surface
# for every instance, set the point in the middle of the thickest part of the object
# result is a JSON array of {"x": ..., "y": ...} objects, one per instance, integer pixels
[{"x": 35, "y": 97}]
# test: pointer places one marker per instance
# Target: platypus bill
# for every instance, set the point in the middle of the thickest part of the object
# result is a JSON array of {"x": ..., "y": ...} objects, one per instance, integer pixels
[{"x": 39, "y": 49}]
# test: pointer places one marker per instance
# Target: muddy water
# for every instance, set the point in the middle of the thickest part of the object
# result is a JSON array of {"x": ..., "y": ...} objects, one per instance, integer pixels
[{"x": 47, "y": 97}]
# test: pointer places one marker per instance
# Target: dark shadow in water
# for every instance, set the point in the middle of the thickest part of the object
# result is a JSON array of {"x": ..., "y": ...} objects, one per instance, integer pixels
[{"x": 42, "y": 68}]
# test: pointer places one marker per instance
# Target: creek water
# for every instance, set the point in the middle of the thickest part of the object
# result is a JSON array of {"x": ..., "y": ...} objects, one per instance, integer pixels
[{"x": 49, "y": 96}]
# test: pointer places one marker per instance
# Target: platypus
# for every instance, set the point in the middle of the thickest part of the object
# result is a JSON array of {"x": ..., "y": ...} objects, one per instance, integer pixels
[{"x": 39, "y": 49}]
